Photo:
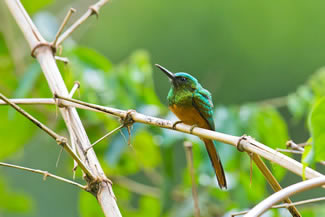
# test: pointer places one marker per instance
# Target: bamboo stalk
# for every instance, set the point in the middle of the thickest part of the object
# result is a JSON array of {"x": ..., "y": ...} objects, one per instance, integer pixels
[
  {"x": 285, "y": 193},
  {"x": 44, "y": 54},
  {"x": 274, "y": 183}
]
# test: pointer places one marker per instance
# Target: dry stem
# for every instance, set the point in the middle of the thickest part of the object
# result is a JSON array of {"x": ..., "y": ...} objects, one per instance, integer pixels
[
  {"x": 244, "y": 143},
  {"x": 59, "y": 139},
  {"x": 189, "y": 158},
  {"x": 94, "y": 9},
  {"x": 45, "y": 173},
  {"x": 248, "y": 144},
  {"x": 42, "y": 50},
  {"x": 285, "y": 205},
  {"x": 274, "y": 183},
  {"x": 285, "y": 193}
]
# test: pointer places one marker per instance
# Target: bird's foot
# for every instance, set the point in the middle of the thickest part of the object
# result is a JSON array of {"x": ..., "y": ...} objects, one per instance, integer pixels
[
  {"x": 175, "y": 123},
  {"x": 192, "y": 128}
]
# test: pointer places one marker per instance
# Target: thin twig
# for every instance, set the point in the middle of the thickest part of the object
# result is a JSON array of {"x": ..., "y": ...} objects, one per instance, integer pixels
[
  {"x": 299, "y": 148},
  {"x": 59, "y": 139},
  {"x": 189, "y": 158},
  {"x": 94, "y": 9},
  {"x": 285, "y": 193},
  {"x": 288, "y": 151},
  {"x": 62, "y": 59},
  {"x": 294, "y": 146},
  {"x": 30, "y": 101},
  {"x": 45, "y": 173},
  {"x": 74, "y": 88},
  {"x": 273, "y": 182},
  {"x": 106, "y": 135},
  {"x": 285, "y": 205},
  {"x": 59, "y": 156},
  {"x": 136, "y": 187},
  {"x": 64, "y": 23},
  {"x": 276, "y": 102}
]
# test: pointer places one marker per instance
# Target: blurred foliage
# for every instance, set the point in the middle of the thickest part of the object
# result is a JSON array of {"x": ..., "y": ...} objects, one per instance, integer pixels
[{"x": 155, "y": 157}]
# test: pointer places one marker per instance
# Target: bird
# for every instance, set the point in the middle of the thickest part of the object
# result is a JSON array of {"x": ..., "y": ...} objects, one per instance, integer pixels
[{"x": 192, "y": 104}]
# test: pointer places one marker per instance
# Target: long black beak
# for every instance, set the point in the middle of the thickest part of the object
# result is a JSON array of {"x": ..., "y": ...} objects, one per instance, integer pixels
[{"x": 170, "y": 75}]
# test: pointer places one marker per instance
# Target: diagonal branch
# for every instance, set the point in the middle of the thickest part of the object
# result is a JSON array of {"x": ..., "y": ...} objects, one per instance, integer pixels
[
  {"x": 45, "y": 173},
  {"x": 285, "y": 205},
  {"x": 274, "y": 183},
  {"x": 100, "y": 185},
  {"x": 284, "y": 193},
  {"x": 59, "y": 139},
  {"x": 94, "y": 9}
]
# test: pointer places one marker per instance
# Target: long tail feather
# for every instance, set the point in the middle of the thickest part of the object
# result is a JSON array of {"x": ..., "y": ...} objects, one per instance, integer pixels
[{"x": 216, "y": 163}]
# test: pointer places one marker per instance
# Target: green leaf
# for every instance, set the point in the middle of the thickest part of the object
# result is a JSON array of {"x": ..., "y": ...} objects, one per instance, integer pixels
[
  {"x": 316, "y": 125},
  {"x": 35, "y": 5},
  {"x": 271, "y": 127},
  {"x": 307, "y": 158},
  {"x": 267, "y": 125},
  {"x": 300, "y": 102},
  {"x": 89, "y": 206},
  {"x": 317, "y": 82},
  {"x": 92, "y": 58}
]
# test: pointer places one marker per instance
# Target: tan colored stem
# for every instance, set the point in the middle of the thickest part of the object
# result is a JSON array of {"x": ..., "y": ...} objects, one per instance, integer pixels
[
  {"x": 59, "y": 139},
  {"x": 250, "y": 145},
  {"x": 45, "y": 173},
  {"x": 44, "y": 54},
  {"x": 285, "y": 205},
  {"x": 285, "y": 193},
  {"x": 92, "y": 10},
  {"x": 274, "y": 183},
  {"x": 189, "y": 158}
]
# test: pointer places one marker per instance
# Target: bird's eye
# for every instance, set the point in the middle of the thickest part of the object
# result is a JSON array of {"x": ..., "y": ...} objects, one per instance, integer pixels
[{"x": 183, "y": 79}]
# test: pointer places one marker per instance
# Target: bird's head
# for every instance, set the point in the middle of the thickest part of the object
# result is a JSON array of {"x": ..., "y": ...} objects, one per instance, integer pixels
[{"x": 180, "y": 79}]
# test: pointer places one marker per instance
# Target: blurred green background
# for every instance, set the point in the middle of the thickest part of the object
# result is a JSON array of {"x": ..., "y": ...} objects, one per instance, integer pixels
[{"x": 244, "y": 52}]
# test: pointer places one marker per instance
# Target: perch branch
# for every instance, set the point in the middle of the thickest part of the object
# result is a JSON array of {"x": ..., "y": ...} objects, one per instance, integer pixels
[
  {"x": 45, "y": 173},
  {"x": 285, "y": 193},
  {"x": 247, "y": 143},
  {"x": 242, "y": 143}
]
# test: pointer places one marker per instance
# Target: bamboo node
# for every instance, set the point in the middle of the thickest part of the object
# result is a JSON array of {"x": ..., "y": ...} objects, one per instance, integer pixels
[
  {"x": 239, "y": 145},
  {"x": 41, "y": 44}
]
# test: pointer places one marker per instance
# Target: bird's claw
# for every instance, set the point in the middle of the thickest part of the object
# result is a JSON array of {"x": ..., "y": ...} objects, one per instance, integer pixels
[
  {"x": 192, "y": 128},
  {"x": 175, "y": 123}
]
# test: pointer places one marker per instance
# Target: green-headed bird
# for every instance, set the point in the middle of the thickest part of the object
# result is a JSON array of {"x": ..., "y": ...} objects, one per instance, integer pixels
[{"x": 192, "y": 104}]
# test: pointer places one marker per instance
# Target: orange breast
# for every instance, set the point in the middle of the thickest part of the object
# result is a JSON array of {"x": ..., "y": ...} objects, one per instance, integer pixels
[{"x": 189, "y": 115}]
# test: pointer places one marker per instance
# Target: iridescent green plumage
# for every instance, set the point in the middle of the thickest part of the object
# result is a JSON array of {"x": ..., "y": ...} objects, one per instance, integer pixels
[{"x": 192, "y": 104}]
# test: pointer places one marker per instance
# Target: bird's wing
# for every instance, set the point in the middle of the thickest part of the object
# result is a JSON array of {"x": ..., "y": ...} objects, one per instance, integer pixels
[{"x": 202, "y": 101}]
